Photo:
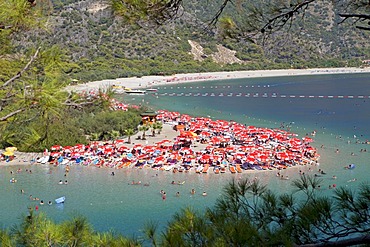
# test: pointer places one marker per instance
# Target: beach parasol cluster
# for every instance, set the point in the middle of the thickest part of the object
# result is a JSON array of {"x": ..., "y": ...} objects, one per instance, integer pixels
[{"x": 202, "y": 144}]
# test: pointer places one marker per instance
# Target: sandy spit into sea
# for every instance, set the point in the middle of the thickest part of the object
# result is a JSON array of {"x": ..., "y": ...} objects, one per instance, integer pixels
[{"x": 154, "y": 81}]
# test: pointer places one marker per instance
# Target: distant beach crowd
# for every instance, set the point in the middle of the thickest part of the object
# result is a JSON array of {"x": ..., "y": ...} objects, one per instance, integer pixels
[{"x": 201, "y": 145}]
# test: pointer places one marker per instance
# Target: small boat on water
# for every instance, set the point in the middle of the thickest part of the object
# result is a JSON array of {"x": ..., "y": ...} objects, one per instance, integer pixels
[
  {"x": 118, "y": 89},
  {"x": 151, "y": 90},
  {"x": 136, "y": 92},
  {"x": 60, "y": 200}
]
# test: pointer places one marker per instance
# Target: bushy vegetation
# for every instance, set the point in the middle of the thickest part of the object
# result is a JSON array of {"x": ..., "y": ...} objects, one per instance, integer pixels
[
  {"x": 70, "y": 127},
  {"x": 104, "y": 124}
]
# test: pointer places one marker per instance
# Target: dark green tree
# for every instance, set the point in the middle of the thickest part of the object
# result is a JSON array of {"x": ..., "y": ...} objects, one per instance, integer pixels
[
  {"x": 129, "y": 132},
  {"x": 37, "y": 230},
  {"x": 248, "y": 214},
  {"x": 32, "y": 82},
  {"x": 144, "y": 128}
]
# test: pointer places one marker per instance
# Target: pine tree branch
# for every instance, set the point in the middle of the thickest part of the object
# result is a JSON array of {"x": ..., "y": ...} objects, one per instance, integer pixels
[
  {"x": 341, "y": 243},
  {"x": 216, "y": 17},
  {"x": 78, "y": 105},
  {"x": 358, "y": 16},
  {"x": 363, "y": 28},
  {"x": 280, "y": 20},
  {"x": 19, "y": 74},
  {"x": 2, "y": 119}
]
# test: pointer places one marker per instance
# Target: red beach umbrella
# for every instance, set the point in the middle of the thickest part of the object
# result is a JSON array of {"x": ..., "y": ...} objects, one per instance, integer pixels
[
  {"x": 251, "y": 159},
  {"x": 186, "y": 150},
  {"x": 67, "y": 148},
  {"x": 282, "y": 155},
  {"x": 79, "y": 147},
  {"x": 307, "y": 139},
  {"x": 239, "y": 155},
  {"x": 56, "y": 147},
  {"x": 120, "y": 141},
  {"x": 123, "y": 149},
  {"x": 163, "y": 142},
  {"x": 263, "y": 158},
  {"x": 138, "y": 146},
  {"x": 55, "y": 154},
  {"x": 159, "y": 159},
  {"x": 108, "y": 151},
  {"x": 149, "y": 149},
  {"x": 205, "y": 134}
]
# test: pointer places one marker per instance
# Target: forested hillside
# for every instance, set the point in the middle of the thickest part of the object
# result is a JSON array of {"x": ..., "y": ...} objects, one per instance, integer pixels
[{"x": 105, "y": 46}]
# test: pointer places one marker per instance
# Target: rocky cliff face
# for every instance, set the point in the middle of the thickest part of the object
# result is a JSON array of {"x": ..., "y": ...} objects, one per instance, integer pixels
[{"x": 222, "y": 56}]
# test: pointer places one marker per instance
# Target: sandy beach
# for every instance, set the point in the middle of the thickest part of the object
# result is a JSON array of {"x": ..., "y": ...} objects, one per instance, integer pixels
[
  {"x": 166, "y": 133},
  {"x": 150, "y": 81}
]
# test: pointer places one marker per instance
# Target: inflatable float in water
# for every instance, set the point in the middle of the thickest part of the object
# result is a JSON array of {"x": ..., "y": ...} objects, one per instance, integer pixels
[
  {"x": 350, "y": 166},
  {"x": 60, "y": 200}
]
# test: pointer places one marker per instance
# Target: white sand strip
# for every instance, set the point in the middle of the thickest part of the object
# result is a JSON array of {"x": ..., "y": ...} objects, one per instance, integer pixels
[{"x": 149, "y": 81}]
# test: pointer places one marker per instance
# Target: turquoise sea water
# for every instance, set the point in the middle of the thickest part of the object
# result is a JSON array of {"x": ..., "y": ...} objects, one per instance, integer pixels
[{"x": 109, "y": 202}]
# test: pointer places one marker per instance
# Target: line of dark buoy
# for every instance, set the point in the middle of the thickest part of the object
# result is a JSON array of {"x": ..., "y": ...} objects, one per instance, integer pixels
[
  {"x": 203, "y": 87},
  {"x": 264, "y": 95}
]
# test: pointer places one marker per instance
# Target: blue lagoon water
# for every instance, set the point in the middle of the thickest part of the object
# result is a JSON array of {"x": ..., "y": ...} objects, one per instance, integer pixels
[{"x": 303, "y": 104}]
